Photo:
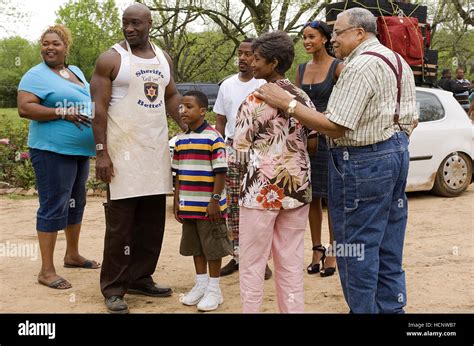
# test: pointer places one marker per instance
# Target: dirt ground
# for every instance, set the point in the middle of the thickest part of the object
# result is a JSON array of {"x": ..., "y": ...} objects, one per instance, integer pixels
[{"x": 438, "y": 261}]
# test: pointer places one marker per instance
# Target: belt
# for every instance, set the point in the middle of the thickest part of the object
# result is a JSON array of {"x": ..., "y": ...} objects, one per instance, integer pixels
[{"x": 369, "y": 147}]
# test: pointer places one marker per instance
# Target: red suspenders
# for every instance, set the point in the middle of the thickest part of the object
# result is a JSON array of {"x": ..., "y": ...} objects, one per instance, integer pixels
[{"x": 398, "y": 75}]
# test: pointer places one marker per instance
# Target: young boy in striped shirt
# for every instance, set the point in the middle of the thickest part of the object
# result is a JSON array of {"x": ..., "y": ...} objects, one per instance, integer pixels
[{"x": 199, "y": 161}]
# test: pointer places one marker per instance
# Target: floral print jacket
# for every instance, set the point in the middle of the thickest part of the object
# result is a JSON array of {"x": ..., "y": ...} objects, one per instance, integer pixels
[{"x": 274, "y": 147}]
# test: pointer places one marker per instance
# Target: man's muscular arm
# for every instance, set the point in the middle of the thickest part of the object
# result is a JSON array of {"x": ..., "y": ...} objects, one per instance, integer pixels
[
  {"x": 101, "y": 91},
  {"x": 173, "y": 97}
]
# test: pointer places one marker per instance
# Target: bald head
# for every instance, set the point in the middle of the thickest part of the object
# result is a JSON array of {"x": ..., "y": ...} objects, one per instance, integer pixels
[
  {"x": 136, "y": 24},
  {"x": 139, "y": 10}
]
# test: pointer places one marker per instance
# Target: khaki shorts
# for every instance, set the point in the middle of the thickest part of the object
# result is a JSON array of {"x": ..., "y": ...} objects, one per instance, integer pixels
[{"x": 203, "y": 237}]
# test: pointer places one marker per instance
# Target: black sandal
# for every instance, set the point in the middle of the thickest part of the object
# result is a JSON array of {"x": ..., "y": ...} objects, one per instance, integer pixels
[
  {"x": 327, "y": 271},
  {"x": 315, "y": 268}
]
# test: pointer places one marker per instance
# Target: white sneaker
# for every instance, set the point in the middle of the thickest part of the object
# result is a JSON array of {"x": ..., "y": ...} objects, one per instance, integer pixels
[
  {"x": 194, "y": 296},
  {"x": 211, "y": 300}
]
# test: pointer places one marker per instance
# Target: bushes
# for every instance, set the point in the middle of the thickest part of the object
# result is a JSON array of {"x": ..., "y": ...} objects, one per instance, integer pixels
[{"x": 15, "y": 165}]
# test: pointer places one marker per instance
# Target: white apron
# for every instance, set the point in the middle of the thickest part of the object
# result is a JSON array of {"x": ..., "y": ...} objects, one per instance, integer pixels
[{"x": 137, "y": 133}]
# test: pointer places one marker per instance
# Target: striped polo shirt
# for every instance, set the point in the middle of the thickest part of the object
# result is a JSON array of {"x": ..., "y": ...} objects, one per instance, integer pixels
[{"x": 198, "y": 156}]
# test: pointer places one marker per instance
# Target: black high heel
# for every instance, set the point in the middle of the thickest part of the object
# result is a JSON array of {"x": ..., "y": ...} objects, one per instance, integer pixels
[
  {"x": 315, "y": 268},
  {"x": 329, "y": 271}
]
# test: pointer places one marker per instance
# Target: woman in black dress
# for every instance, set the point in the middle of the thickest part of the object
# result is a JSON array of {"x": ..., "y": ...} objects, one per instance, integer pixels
[{"x": 317, "y": 77}]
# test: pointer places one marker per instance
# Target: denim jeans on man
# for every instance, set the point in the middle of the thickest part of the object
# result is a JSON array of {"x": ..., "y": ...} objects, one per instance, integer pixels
[{"x": 368, "y": 207}]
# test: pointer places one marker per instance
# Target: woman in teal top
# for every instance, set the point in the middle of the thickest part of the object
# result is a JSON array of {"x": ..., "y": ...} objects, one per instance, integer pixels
[{"x": 56, "y": 98}]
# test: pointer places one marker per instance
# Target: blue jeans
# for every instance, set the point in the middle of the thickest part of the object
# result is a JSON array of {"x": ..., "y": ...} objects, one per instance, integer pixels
[
  {"x": 368, "y": 208},
  {"x": 61, "y": 181}
]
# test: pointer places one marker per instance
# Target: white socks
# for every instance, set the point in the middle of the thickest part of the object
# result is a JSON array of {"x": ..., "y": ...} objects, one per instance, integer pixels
[
  {"x": 213, "y": 284},
  {"x": 202, "y": 279}
]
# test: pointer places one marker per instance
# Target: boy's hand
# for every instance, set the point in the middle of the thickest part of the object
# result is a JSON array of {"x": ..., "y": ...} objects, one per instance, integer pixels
[
  {"x": 214, "y": 210},
  {"x": 175, "y": 211}
]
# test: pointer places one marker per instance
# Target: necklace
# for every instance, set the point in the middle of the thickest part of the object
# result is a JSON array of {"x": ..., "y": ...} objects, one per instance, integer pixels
[{"x": 64, "y": 73}]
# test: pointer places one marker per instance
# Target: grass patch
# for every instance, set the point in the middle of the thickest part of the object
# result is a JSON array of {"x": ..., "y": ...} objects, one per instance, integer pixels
[{"x": 11, "y": 116}]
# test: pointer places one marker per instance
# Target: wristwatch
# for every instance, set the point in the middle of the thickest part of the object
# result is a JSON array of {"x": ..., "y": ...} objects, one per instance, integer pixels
[
  {"x": 99, "y": 147},
  {"x": 216, "y": 196},
  {"x": 291, "y": 107}
]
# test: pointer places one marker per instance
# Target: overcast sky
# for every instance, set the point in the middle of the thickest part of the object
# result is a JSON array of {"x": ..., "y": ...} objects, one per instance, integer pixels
[{"x": 41, "y": 13}]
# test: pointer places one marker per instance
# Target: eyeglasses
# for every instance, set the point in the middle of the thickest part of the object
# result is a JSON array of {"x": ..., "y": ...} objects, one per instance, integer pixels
[
  {"x": 314, "y": 24},
  {"x": 337, "y": 33}
]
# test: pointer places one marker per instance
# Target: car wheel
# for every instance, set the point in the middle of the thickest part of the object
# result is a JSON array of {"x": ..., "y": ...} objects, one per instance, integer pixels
[{"x": 453, "y": 176}]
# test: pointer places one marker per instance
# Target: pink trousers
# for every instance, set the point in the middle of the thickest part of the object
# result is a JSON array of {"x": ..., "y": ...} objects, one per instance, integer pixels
[{"x": 282, "y": 233}]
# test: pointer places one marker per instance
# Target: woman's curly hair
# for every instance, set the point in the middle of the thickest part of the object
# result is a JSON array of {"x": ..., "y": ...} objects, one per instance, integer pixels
[{"x": 63, "y": 32}]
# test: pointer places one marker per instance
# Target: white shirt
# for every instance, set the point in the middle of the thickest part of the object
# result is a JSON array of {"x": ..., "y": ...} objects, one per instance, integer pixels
[{"x": 232, "y": 93}]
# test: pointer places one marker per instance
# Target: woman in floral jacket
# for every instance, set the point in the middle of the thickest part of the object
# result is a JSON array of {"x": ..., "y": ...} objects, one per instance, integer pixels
[{"x": 276, "y": 190}]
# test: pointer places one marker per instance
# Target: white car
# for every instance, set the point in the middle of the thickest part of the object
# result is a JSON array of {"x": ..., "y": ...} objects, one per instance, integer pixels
[{"x": 441, "y": 147}]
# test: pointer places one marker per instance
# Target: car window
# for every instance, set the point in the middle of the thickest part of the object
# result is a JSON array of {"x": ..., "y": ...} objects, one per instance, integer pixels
[
  {"x": 183, "y": 88},
  {"x": 431, "y": 108},
  {"x": 210, "y": 90}
]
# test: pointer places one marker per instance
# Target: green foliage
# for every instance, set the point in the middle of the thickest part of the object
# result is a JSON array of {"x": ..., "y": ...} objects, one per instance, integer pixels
[
  {"x": 17, "y": 56},
  {"x": 201, "y": 62},
  {"x": 10, "y": 115},
  {"x": 204, "y": 56},
  {"x": 451, "y": 36},
  {"x": 452, "y": 45},
  {"x": 300, "y": 57},
  {"x": 95, "y": 27},
  {"x": 15, "y": 166}
]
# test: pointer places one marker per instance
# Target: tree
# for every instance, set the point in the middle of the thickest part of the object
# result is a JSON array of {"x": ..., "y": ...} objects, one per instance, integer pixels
[
  {"x": 452, "y": 34},
  {"x": 95, "y": 28},
  {"x": 202, "y": 36},
  {"x": 235, "y": 20},
  {"x": 247, "y": 18},
  {"x": 203, "y": 56},
  {"x": 17, "y": 56},
  {"x": 10, "y": 13},
  {"x": 467, "y": 16}
]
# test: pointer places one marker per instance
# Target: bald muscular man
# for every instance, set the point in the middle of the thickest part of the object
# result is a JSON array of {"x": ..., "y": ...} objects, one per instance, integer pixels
[{"x": 133, "y": 90}]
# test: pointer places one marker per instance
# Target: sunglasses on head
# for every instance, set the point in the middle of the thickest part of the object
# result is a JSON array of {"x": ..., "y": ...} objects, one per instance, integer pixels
[{"x": 314, "y": 24}]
